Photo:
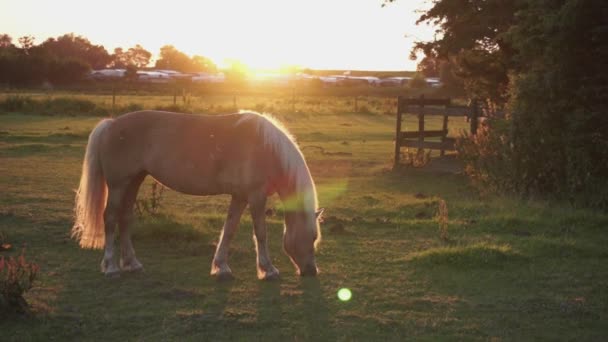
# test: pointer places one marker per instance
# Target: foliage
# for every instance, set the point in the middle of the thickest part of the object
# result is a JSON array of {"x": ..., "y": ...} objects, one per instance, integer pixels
[
  {"x": 429, "y": 66},
  {"x": 151, "y": 203},
  {"x": 76, "y": 47},
  {"x": 64, "y": 60},
  {"x": 442, "y": 219},
  {"x": 6, "y": 41},
  {"x": 555, "y": 142},
  {"x": 560, "y": 121},
  {"x": 417, "y": 158},
  {"x": 417, "y": 82},
  {"x": 488, "y": 156},
  {"x": 50, "y": 106},
  {"x": 173, "y": 59},
  {"x": 17, "y": 276},
  {"x": 4, "y": 245},
  {"x": 473, "y": 40},
  {"x": 136, "y": 56}
]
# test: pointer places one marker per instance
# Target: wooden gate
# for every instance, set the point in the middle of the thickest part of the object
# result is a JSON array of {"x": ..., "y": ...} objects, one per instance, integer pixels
[{"x": 427, "y": 106}]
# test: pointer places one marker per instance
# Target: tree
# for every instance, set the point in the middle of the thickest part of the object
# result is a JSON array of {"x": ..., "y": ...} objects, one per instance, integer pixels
[
  {"x": 560, "y": 114},
  {"x": 471, "y": 35},
  {"x": 131, "y": 73},
  {"x": 6, "y": 41},
  {"x": 136, "y": 56},
  {"x": 173, "y": 59},
  {"x": 77, "y": 47},
  {"x": 546, "y": 61},
  {"x": 203, "y": 64},
  {"x": 66, "y": 71},
  {"x": 417, "y": 82},
  {"x": 26, "y": 43},
  {"x": 429, "y": 66}
]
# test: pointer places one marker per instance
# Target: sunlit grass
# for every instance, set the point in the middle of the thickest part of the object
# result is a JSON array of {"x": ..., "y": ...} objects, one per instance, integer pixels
[{"x": 510, "y": 269}]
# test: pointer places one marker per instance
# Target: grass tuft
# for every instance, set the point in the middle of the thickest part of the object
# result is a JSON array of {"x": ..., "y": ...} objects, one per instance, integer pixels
[{"x": 479, "y": 255}]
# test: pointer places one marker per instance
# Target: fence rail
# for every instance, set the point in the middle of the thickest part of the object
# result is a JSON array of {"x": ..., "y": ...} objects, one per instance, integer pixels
[{"x": 422, "y": 107}]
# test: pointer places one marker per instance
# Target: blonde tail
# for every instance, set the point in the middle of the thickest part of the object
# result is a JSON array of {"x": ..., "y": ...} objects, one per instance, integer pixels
[{"x": 91, "y": 195}]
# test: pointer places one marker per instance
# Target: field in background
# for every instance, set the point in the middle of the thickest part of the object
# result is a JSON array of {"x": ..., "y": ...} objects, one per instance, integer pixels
[{"x": 503, "y": 269}]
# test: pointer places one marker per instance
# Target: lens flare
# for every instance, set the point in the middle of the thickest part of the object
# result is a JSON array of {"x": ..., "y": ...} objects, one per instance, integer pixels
[{"x": 344, "y": 294}]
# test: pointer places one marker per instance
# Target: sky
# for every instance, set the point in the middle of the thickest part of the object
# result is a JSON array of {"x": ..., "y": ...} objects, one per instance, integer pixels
[{"x": 318, "y": 34}]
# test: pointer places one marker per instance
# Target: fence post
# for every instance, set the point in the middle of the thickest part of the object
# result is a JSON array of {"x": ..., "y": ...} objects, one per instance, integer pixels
[
  {"x": 445, "y": 131},
  {"x": 398, "y": 134},
  {"x": 113, "y": 99},
  {"x": 421, "y": 123},
  {"x": 474, "y": 116}
]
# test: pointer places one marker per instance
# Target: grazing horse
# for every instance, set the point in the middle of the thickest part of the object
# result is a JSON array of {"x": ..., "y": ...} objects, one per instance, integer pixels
[{"x": 247, "y": 155}]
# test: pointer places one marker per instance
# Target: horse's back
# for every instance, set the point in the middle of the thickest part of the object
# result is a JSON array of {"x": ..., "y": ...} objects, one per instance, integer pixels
[{"x": 196, "y": 154}]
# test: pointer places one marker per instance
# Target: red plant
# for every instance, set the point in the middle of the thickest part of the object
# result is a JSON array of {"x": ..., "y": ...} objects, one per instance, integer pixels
[{"x": 16, "y": 277}]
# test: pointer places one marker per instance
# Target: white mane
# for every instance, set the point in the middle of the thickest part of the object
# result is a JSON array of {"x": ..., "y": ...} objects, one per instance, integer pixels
[{"x": 284, "y": 145}]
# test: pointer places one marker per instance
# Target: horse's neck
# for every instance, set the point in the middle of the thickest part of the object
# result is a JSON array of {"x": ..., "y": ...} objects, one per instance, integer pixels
[{"x": 298, "y": 191}]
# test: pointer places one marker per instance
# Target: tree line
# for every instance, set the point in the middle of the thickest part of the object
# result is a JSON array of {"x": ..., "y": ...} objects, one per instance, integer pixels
[
  {"x": 545, "y": 62},
  {"x": 69, "y": 58}
]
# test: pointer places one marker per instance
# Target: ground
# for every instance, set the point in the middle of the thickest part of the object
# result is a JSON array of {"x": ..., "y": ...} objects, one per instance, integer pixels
[{"x": 506, "y": 269}]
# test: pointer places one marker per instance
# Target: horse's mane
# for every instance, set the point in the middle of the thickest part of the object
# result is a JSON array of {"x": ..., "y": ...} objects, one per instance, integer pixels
[{"x": 278, "y": 139}]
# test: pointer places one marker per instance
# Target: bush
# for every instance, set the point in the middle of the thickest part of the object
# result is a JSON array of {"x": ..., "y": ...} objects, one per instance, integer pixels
[
  {"x": 417, "y": 82},
  {"x": 16, "y": 278},
  {"x": 50, "y": 106},
  {"x": 150, "y": 203},
  {"x": 488, "y": 156},
  {"x": 16, "y": 103}
]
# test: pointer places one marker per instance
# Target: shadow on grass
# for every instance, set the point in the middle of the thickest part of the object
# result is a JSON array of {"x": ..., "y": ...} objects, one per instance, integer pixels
[{"x": 183, "y": 238}]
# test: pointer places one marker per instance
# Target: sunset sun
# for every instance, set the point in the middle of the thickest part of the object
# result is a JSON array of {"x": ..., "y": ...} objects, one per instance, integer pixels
[{"x": 261, "y": 34}]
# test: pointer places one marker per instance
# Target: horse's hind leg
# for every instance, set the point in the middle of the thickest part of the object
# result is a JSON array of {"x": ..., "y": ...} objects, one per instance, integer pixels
[
  {"x": 109, "y": 266},
  {"x": 128, "y": 261},
  {"x": 219, "y": 266},
  {"x": 257, "y": 206}
]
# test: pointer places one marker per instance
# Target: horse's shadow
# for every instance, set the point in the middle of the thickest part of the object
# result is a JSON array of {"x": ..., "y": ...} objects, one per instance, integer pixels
[{"x": 309, "y": 308}]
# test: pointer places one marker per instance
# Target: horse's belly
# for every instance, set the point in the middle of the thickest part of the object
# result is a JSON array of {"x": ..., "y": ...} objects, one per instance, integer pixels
[{"x": 208, "y": 180}]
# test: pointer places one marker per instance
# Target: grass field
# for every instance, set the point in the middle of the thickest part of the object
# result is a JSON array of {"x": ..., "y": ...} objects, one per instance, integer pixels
[{"x": 506, "y": 269}]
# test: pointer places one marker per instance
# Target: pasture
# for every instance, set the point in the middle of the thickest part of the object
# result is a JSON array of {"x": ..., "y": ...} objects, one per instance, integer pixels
[{"x": 505, "y": 269}]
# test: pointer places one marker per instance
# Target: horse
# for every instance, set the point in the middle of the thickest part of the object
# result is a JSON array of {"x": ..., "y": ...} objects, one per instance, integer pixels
[{"x": 247, "y": 155}]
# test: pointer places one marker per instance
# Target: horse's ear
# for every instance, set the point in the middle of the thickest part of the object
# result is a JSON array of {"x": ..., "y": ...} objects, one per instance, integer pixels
[{"x": 319, "y": 214}]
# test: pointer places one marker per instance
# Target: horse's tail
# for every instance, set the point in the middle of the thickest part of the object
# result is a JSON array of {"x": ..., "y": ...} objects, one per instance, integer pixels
[{"x": 91, "y": 195}]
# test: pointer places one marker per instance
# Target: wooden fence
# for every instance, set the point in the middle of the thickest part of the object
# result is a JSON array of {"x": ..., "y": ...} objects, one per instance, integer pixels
[{"x": 422, "y": 107}]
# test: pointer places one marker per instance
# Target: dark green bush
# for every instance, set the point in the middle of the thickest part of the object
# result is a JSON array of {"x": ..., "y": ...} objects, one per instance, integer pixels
[
  {"x": 555, "y": 142},
  {"x": 51, "y": 106}
]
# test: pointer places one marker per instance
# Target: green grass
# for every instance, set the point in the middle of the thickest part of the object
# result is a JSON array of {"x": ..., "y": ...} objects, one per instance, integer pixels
[{"x": 509, "y": 269}]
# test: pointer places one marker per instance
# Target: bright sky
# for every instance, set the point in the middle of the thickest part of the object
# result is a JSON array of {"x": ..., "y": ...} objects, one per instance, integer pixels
[{"x": 320, "y": 34}]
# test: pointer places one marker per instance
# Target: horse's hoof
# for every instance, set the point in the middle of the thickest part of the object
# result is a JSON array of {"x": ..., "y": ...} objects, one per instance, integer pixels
[
  {"x": 138, "y": 268},
  {"x": 271, "y": 277},
  {"x": 224, "y": 276},
  {"x": 112, "y": 274}
]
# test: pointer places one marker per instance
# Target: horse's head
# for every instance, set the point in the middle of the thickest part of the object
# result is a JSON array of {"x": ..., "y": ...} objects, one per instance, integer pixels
[{"x": 301, "y": 236}]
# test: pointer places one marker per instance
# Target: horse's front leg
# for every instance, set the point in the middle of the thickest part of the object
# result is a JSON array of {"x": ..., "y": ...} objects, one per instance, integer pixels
[
  {"x": 219, "y": 266},
  {"x": 257, "y": 206}
]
